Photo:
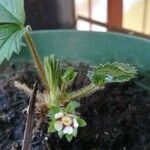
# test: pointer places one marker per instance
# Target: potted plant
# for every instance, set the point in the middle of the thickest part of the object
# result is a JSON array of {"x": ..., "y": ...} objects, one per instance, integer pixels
[{"x": 57, "y": 107}]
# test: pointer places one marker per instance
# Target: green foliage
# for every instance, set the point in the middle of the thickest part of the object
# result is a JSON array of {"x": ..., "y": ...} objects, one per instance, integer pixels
[
  {"x": 69, "y": 137},
  {"x": 53, "y": 75},
  {"x": 57, "y": 114},
  {"x": 56, "y": 79},
  {"x": 51, "y": 128},
  {"x": 71, "y": 107},
  {"x": 10, "y": 40},
  {"x": 12, "y": 18},
  {"x": 68, "y": 77},
  {"x": 63, "y": 119},
  {"x": 12, "y": 11},
  {"x": 81, "y": 122},
  {"x": 111, "y": 72},
  {"x": 53, "y": 111},
  {"x": 60, "y": 134}
]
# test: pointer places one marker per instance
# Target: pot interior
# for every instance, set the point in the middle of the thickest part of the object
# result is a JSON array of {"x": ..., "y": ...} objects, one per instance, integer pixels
[{"x": 91, "y": 47}]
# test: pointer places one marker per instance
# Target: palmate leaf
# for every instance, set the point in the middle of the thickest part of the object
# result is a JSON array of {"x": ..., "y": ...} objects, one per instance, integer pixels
[
  {"x": 12, "y": 11},
  {"x": 12, "y": 18},
  {"x": 10, "y": 40},
  {"x": 111, "y": 72}
]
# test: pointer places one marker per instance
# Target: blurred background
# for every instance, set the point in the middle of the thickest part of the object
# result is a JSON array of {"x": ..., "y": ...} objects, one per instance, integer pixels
[{"x": 125, "y": 16}]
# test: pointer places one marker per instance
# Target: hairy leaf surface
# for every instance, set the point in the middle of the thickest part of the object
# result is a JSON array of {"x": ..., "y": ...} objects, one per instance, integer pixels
[
  {"x": 111, "y": 72},
  {"x": 53, "y": 72},
  {"x": 12, "y": 11},
  {"x": 10, "y": 40}
]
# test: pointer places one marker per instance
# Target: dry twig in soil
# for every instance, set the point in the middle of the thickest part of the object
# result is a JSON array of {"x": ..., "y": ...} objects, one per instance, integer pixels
[{"x": 27, "y": 140}]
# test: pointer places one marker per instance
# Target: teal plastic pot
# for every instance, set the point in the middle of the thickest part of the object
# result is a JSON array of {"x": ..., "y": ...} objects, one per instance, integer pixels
[{"x": 91, "y": 47}]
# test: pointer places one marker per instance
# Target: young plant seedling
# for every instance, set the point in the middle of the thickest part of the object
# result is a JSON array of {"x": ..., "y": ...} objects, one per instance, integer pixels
[
  {"x": 56, "y": 101},
  {"x": 63, "y": 104}
]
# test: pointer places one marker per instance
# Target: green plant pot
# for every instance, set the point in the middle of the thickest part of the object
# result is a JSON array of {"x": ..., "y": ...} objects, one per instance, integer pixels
[{"x": 92, "y": 47}]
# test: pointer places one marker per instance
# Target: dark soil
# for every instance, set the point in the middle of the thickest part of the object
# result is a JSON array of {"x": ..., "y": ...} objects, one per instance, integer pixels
[{"x": 118, "y": 117}]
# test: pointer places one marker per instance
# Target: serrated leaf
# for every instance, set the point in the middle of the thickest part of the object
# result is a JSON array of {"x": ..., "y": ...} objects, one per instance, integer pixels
[
  {"x": 111, "y": 72},
  {"x": 12, "y": 11},
  {"x": 10, "y": 40}
]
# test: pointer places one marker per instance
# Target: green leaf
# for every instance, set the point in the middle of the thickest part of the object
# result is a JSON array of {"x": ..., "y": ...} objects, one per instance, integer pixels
[
  {"x": 60, "y": 134},
  {"x": 53, "y": 111},
  {"x": 51, "y": 128},
  {"x": 12, "y": 11},
  {"x": 75, "y": 132},
  {"x": 62, "y": 109},
  {"x": 81, "y": 122},
  {"x": 69, "y": 137},
  {"x": 111, "y": 72},
  {"x": 72, "y": 106},
  {"x": 10, "y": 40},
  {"x": 69, "y": 75},
  {"x": 67, "y": 78},
  {"x": 53, "y": 71}
]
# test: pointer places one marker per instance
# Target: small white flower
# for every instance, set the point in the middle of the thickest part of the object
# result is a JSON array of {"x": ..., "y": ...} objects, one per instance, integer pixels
[
  {"x": 68, "y": 130},
  {"x": 66, "y": 124},
  {"x": 58, "y": 115},
  {"x": 75, "y": 123},
  {"x": 58, "y": 125}
]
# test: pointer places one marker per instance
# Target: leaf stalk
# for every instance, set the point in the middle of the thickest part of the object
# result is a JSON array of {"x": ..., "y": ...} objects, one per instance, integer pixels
[
  {"x": 36, "y": 58},
  {"x": 89, "y": 89}
]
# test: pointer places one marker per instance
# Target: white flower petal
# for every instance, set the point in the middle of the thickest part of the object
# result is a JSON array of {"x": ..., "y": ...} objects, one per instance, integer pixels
[
  {"x": 68, "y": 130},
  {"x": 58, "y": 125},
  {"x": 58, "y": 115},
  {"x": 75, "y": 123}
]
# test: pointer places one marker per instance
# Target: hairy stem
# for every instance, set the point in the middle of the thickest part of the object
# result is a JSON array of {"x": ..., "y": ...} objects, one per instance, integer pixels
[
  {"x": 83, "y": 92},
  {"x": 36, "y": 59}
]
